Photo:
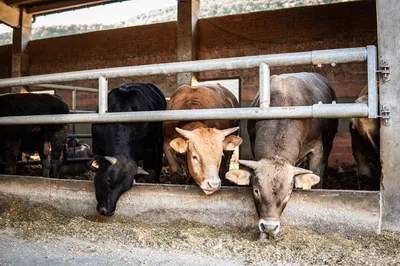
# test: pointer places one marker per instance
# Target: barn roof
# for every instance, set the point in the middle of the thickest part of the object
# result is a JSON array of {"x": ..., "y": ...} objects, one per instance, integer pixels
[{"x": 38, "y": 7}]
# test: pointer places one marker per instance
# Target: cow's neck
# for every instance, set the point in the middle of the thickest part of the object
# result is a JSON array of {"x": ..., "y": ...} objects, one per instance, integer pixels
[
  {"x": 194, "y": 125},
  {"x": 282, "y": 138},
  {"x": 121, "y": 143}
]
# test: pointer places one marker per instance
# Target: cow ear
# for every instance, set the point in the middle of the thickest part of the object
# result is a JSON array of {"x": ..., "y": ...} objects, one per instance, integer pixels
[
  {"x": 231, "y": 142},
  {"x": 179, "y": 145},
  {"x": 306, "y": 181},
  {"x": 239, "y": 177}
]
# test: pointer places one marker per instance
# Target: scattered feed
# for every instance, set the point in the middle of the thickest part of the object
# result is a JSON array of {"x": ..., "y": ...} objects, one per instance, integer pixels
[{"x": 35, "y": 222}]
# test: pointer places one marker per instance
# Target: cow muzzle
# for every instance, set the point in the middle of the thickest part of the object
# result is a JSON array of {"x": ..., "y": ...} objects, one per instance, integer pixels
[
  {"x": 269, "y": 226},
  {"x": 210, "y": 186},
  {"x": 104, "y": 211}
]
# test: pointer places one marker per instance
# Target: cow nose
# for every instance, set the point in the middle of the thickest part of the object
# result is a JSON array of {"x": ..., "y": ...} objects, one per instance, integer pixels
[
  {"x": 103, "y": 211},
  {"x": 269, "y": 226},
  {"x": 213, "y": 184}
]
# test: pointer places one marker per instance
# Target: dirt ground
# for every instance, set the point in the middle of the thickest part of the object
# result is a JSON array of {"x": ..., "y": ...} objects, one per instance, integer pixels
[{"x": 41, "y": 235}]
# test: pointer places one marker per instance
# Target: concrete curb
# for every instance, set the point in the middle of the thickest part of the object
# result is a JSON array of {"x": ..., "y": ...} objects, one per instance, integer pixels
[{"x": 324, "y": 211}]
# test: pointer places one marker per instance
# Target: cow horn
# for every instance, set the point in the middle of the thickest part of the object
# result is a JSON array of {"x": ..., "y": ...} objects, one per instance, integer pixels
[
  {"x": 299, "y": 171},
  {"x": 249, "y": 163},
  {"x": 186, "y": 133},
  {"x": 112, "y": 160},
  {"x": 141, "y": 171},
  {"x": 228, "y": 131}
]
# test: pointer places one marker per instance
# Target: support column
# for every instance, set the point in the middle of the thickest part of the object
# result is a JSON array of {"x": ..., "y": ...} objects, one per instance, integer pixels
[
  {"x": 188, "y": 14},
  {"x": 388, "y": 16},
  {"x": 21, "y": 38}
]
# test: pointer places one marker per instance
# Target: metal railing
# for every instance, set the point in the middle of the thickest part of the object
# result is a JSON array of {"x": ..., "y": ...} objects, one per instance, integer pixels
[{"x": 319, "y": 57}]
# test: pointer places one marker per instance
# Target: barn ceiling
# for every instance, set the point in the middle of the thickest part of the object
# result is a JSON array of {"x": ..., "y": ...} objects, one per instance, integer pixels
[{"x": 37, "y": 7}]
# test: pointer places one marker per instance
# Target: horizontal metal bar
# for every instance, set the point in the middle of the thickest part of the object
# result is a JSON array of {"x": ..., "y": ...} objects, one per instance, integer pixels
[
  {"x": 81, "y": 112},
  {"x": 317, "y": 110},
  {"x": 80, "y": 135},
  {"x": 68, "y": 161},
  {"x": 315, "y": 57},
  {"x": 65, "y": 87}
]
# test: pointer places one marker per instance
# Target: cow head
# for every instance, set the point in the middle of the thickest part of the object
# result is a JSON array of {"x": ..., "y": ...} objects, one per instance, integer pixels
[
  {"x": 272, "y": 182},
  {"x": 113, "y": 177},
  {"x": 204, "y": 149}
]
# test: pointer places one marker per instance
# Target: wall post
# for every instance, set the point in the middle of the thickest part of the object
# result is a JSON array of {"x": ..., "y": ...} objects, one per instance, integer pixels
[{"x": 388, "y": 16}]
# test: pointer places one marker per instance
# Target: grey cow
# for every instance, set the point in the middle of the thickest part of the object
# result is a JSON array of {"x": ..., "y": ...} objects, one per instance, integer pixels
[{"x": 280, "y": 146}]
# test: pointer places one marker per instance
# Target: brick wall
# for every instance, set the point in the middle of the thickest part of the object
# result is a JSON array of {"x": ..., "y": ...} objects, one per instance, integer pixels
[
  {"x": 343, "y": 25},
  {"x": 140, "y": 45}
]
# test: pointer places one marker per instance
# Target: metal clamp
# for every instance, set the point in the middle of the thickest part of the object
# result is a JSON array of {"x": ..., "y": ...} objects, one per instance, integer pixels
[
  {"x": 385, "y": 115},
  {"x": 384, "y": 70}
]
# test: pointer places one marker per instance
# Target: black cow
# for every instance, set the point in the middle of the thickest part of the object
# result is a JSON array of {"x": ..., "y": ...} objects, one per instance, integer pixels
[
  {"x": 29, "y": 138},
  {"x": 122, "y": 145}
]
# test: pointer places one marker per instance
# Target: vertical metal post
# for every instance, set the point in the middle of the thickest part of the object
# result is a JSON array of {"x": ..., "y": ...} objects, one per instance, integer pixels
[
  {"x": 73, "y": 125},
  {"x": 103, "y": 95},
  {"x": 265, "y": 91},
  {"x": 73, "y": 100},
  {"x": 372, "y": 82}
]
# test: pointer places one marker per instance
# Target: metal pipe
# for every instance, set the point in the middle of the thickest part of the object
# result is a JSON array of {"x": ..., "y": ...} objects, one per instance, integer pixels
[
  {"x": 73, "y": 100},
  {"x": 372, "y": 82},
  {"x": 320, "y": 111},
  {"x": 80, "y": 135},
  {"x": 68, "y": 161},
  {"x": 81, "y": 112},
  {"x": 285, "y": 59},
  {"x": 265, "y": 90},
  {"x": 338, "y": 56},
  {"x": 64, "y": 87},
  {"x": 103, "y": 95}
]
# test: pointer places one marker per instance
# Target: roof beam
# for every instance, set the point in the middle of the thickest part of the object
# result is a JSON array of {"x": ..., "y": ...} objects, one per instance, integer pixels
[
  {"x": 20, "y": 2},
  {"x": 9, "y": 15},
  {"x": 61, "y": 5}
]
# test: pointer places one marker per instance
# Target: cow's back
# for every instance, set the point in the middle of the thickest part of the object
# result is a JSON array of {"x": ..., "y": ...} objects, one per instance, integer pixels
[
  {"x": 136, "y": 97},
  {"x": 298, "y": 89},
  {"x": 200, "y": 97},
  {"x": 31, "y": 104}
]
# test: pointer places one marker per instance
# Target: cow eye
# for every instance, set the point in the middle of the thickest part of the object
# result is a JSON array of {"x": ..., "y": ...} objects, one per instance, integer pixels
[{"x": 195, "y": 158}]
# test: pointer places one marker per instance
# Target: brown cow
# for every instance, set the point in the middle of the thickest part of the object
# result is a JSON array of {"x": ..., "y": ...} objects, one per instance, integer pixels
[
  {"x": 365, "y": 142},
  {"x": 280, "y": 145},
  {"x": 196, "y": 147}
]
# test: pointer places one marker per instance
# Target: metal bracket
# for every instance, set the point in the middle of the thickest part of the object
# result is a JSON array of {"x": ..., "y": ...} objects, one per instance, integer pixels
[
  {"x": 384, "y": 70},
  {"x": 385, "y": 115}
]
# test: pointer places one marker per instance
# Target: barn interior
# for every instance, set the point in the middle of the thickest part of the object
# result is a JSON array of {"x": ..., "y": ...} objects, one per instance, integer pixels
[{"x": 192, "y": 37}]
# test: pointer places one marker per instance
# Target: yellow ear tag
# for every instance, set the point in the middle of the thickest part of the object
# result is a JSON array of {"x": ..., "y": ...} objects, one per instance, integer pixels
[
  {"x": 306, "y": 185},
  {"x": 95, "y": 164},
  {"x": 233, "y": 166}
]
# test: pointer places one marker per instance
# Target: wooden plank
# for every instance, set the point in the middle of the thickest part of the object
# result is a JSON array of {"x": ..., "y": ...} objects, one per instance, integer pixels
[
  {"x": 62, "y": 5},
  {"x": 23, "y": 2},
  {"x": 21, "y": 38},
  {"x": 9, "y": 15},
  {"x": 188, "y": 14}
]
